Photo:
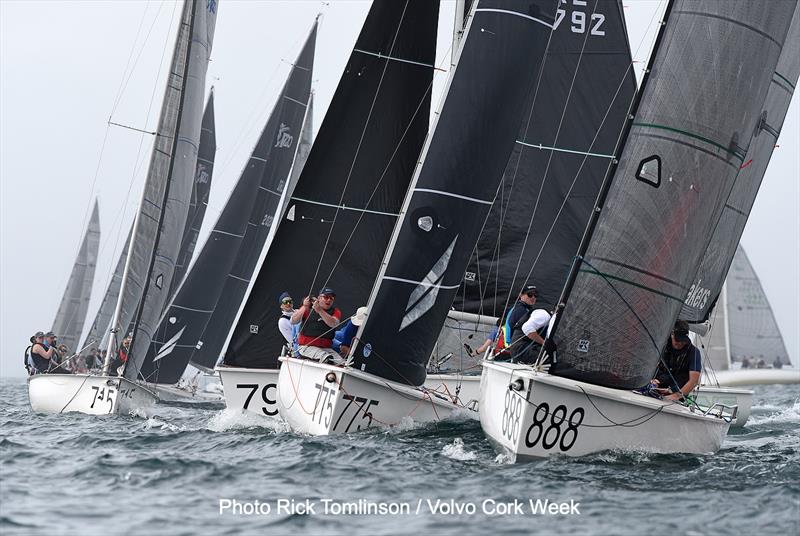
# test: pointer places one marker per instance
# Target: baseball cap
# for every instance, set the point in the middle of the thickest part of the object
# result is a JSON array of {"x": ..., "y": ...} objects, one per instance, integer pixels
[
  {"x": 326, "y": 291},
  {"x": 530, "y": 290},
  {"x": 681, "y": 331},
  {"x": 284, "y": 296}
]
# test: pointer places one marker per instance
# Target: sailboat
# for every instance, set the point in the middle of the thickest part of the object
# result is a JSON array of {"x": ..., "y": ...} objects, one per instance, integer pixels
[
  {"x": 71, "y": 314},
  {"x": 573, "y": 120},
  {"x": 194, "y": 326},
  {"x": 157, "y": 232},
  {"x": 685, "y": 140},
  {"x": 460, "y": 168},
  {"x": 742, "y": 327}
]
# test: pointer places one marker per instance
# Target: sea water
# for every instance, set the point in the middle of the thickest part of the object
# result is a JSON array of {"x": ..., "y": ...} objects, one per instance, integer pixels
[{"x": 190, "y": 470}]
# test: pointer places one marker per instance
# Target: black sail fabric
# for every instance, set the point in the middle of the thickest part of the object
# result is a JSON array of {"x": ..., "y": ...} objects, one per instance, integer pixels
[
  {"x": 462, "y": 166},
  {"x": 71, "y": 314},
  {"x": 197, "y": 320},
  {"x": 563, "y": 151},
  {"x": 165, "y": 201},
  {"x": 201, "y": 189},
  {"x": 687, "y": 141},
  {"x": 754, "y": 333},
  {"x": 340, "y": 217},
  {"x": 708, "y": 282},
  {"x": 102, "y": 320}
]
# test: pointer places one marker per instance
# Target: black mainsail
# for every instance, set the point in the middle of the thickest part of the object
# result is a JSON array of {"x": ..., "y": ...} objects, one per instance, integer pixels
[
  {"x": 571, "y": 126},
  {"x": 71, "y": 314},
  {"x": 341, "y": 214},
  {"x": 700, "y": 101},
  {"x": 201, "y": 189},
  {"x": 200, "y": 316},
  {"x": 501, "y": 54},
  {"x": 161, "y": 219},
  {"x": 707, "y": 284}
]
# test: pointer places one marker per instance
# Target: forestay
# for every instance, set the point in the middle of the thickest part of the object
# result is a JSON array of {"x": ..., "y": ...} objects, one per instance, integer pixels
[
  {"x": 195, "y": 324},
  {"x": 571, "y": 125},
  {"x": 451, "y": 194},
  {"x": 204, "y": 172},
  {"x": 341, "y": 214},
  {"x": 687, "y": 141},
  {"x": 706, "y": 285},
  {"x": 161, "y": 219},
  {"x": 71, "y": 314}
]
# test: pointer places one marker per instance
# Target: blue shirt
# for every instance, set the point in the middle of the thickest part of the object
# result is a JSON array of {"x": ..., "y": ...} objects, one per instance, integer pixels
[{"x": 344, "y": 335}]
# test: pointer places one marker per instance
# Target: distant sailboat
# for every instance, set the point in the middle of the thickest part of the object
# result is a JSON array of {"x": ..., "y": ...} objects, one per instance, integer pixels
[
  {"x": 194, "y": 326},
  {"x": 71, "y": 314},
  {"x": 157, "y": 233},
  {"x": 685, "y": 140}
]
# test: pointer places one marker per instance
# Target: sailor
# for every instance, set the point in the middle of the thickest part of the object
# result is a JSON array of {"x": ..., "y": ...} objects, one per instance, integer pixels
[
  {"x": 285, "y": 320},
  {"x": 680, "y": 366},
  {"x": 40, "y": 354},
  {"x": 491, "y": 340},
  {"x": 319, "y": 321},
  {"x": 343, "y": 339},
  {"x": 519, "y": 314},
  {"x": 28, "y": 361},
  {"x": 534, "y": 329}
]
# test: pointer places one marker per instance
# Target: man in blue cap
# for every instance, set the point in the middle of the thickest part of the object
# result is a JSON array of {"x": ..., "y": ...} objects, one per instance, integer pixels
[
  {"x": 285, "y": 320},
  {"x": 679, "y": 370},
  {"x": 319, "y": 322}
]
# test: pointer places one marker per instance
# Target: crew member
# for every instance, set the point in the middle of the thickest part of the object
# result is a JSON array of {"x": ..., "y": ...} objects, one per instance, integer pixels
[
  {"x": 319, "y": 321},
  {"x": 680, "y": 366}
]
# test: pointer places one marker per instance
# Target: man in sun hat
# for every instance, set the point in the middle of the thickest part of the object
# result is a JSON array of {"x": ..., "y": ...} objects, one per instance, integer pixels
[
  {"x": 343, "y": 339},
  {"x": 679, "y": 370},
  {"x": 318, "y": 320}
]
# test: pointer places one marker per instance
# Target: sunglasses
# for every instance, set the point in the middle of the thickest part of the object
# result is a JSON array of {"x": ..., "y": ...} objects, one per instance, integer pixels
[{"x": 286, "y": 302}]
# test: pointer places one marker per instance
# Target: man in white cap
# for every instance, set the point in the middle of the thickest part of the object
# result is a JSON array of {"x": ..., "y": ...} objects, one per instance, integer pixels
[{"x": 343, "y": 339}]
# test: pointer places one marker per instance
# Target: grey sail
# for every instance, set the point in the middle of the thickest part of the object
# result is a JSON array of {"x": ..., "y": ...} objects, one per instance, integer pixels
[
  {"x": 452, "y": 191},
  {"x": 572, "y": 123},
  {"x": 99, "y": 329},
  {"x": 201, "y": 189},
  {"x": 715, "y": 343},
  {"x": 71, "y": 314},
  {"x": 691, "y": 125},
  {"x": 707, "y": 283},
  {"x": 161, "y": 219},
  {"x": 343, "y": 209},
  {"x": 197, "y": 320},
  {"x": 754, "y": 333}
]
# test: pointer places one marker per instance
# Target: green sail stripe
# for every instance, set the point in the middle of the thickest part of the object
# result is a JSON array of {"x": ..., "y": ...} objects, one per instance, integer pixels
[
  {"x": 692, "y": 135},
  {"x": 629, "y": 282}
]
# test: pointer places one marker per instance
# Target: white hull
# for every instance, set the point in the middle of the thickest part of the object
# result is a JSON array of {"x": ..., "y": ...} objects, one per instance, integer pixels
[
  {"x": 251, "y": 390},
  {"x": 707, "y": 396},
  {"x": 89, "y": 394},
  {"x": 736, "y": 378},
  {"x": 463, "y": 390},
  {"x": 319, "y": 399},
  {"x": 183, "y": 394},
  {"x": 549, "y": 415}
]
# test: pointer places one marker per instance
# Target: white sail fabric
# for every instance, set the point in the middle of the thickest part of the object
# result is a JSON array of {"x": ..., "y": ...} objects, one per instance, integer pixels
[
  {"x": 754, "y": 334},
  {"x": 71, "y": 315},
  {"x": 162, "y": 213},
  {"x": 714, "y": 344}
]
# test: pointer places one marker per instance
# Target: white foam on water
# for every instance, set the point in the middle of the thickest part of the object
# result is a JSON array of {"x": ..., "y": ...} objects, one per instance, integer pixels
[
  {"x": 788, "y": 415},
  {"x": 153, "y": 422},
  {"x": 456, "y": 451},
  {"x": 238, "y": 419}
]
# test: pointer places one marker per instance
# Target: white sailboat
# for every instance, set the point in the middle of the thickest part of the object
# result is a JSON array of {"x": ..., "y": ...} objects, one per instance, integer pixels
[
  {"x": 637, "y": 259},
  {"x": 157, "y": 232}
]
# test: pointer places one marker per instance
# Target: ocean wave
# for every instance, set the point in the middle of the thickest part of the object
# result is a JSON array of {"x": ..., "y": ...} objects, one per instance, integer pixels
[
  {"x": 785, "y": 415},
  {"x": 456, "y": 451},
  {"x": 236, "y": 419}
]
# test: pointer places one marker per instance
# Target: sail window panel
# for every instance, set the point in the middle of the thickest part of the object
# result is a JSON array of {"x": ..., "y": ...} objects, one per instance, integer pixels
[{"x": 649, "y": 171}]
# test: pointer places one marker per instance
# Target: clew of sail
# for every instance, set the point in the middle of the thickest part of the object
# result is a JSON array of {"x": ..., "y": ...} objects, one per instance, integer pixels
[
  {"x": 161, "y": 219},
  {"x": 203, "y": 309},
  {"x": 452, "y": 191},
  {"x": 687, "y": 141},
  {"x": 71, "y": 314},
  {"x": 341, "y": 214}
]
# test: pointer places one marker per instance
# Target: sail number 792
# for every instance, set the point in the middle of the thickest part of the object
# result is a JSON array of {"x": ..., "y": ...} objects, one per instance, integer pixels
[{"x": 580, "y": 21}]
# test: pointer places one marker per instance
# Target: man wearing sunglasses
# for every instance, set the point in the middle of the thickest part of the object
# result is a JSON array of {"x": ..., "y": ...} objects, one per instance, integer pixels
[
  {"x": 516, "y": 317},
  {"x": 285, "y": 320},
  {"x": 319, "y": 322}
]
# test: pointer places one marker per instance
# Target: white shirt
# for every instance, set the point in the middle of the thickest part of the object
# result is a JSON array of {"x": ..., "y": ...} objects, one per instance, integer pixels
[
  {"x": 538, "y": 319},
  {"x": 285, "y": 327}
]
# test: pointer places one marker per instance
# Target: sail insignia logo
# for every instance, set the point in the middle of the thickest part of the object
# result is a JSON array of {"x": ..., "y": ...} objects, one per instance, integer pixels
[
  {"x": 169, "y": 346},
  {"x": 202, "y": 174},
  {"x": 423, "y": 297},
  {"x": 267, "y": 220},
  {"x": 254, "y": 329},
  {"x": 698, "y": 296},
  {"x": 469, "y": 276},
  {"x": 284, "y": 139},
  {"x": 211, "y": 5},
  {"x": 583, "y": 346}
]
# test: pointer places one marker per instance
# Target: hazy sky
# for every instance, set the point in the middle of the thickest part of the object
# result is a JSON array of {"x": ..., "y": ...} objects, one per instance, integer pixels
[{"x": 67, "y": 66}]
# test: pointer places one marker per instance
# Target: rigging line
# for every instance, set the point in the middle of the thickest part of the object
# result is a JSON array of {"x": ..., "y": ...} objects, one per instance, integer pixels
[
  {"x": 152, "y": 133},
  {"x": 583, "y": 162},
  {"x": 355, "y": 158}
]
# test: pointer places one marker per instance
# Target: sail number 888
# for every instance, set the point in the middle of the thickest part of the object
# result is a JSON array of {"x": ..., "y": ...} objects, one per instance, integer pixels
[{"x": 580, "y": 21}]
